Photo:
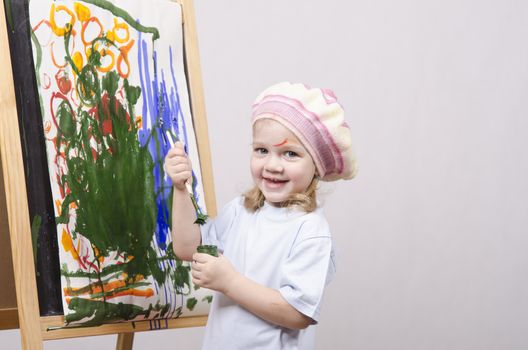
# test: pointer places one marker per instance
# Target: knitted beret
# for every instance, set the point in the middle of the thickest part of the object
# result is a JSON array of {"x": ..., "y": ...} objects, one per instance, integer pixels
[{"x": 317, "y": 119}]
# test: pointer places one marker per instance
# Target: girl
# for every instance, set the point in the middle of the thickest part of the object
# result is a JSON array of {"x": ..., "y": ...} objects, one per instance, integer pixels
[{"x": 277, "y": 255}]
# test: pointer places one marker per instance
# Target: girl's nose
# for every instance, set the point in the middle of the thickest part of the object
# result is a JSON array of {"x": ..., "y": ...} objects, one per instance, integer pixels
[{"x": 274, "y": 164}]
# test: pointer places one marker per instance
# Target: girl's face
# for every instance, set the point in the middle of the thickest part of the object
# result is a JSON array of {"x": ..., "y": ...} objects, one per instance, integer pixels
[{"x": 280, "y": 165}]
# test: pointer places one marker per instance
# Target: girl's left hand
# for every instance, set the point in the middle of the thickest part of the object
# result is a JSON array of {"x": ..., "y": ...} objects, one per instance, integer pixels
[{"x": 211, "y": 272}]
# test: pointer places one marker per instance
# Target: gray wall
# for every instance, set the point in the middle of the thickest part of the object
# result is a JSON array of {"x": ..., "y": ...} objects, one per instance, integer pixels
[{"x": 431, "y": 235}]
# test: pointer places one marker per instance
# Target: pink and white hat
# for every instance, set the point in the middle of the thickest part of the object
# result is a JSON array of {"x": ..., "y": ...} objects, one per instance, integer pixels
[{"x": 317, "y": 119}]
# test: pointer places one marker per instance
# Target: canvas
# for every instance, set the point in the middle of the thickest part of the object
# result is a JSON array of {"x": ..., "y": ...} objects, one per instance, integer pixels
[{"x": 113, "y": 99}]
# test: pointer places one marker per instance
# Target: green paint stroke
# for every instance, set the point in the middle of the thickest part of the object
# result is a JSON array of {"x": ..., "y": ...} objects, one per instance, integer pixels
[
  {"x": 181, "y": 277},
  {"x": 9, "y": 14},
  {"x": 112, "y": 271},
  {"x": 118, "y": 12},
  {"x": 100, "y": 312},
  {"x": 115, "y": 179},
  {"x": 191, "y": 303},
  {"x": 35, "y": 229},
  {"x": 38, "y": 49}
]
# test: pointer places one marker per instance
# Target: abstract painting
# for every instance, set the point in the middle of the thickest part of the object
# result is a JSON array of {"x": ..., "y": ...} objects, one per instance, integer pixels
[{"x": 113, "y": 99}]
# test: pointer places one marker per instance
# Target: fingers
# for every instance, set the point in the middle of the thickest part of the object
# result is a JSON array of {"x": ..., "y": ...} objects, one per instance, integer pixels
[
  {"x": 199, "y": 265},
  {"x": 201, "y": 258},
  {"x": 195, "y": 266},
  {"x": 196, "y": 278},
  {"x": 179, "y": 174},
  {"x": 177, "y": 156},
  {"x": 197, "y": 272},
  {"x": 178, "y": 165},
  {"x": 176, "y": 152}
]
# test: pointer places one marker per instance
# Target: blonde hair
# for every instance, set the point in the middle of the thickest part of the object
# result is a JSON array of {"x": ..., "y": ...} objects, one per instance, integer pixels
[{"x": 307, "y": 201}]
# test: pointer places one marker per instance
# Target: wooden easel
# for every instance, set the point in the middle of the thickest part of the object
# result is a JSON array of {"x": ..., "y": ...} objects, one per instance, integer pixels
[{"x": 18, "y": 295}]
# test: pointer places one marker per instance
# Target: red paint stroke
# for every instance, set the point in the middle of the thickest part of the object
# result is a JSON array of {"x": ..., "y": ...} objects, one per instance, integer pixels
[
  {"x": 57, "y": 95},
  {"x": 105, "y": 115},
  {"x": 85, "y": 25},
  {"x": 46, "y": 22},
  {"x": 53, "y": 58},
  {"x": 46, "y": 81},
  {"x": 282, "y": 143},
  {"x": 63, "y": 81},
  {"x": 55, "y": 63}
]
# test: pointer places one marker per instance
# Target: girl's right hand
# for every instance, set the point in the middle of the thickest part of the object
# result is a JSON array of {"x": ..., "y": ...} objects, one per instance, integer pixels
[{"x": 178, "y": 166}]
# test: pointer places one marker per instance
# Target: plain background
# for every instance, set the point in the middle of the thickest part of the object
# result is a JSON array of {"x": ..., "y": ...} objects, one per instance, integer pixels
[{"x": 431, "y": 235}]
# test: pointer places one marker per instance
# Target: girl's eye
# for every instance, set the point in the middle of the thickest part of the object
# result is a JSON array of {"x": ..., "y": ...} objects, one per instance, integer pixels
[
  {"x": 260, "y": 150},
  {"x": 291, "y": 154}
]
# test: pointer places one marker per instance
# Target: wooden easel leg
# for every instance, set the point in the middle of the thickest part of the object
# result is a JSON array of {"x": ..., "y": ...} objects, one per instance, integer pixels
[{"x": 125, "y": 341}]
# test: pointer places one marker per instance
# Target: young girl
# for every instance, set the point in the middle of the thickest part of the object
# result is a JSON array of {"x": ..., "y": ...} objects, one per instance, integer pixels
[{"x": 277, "y": 255}]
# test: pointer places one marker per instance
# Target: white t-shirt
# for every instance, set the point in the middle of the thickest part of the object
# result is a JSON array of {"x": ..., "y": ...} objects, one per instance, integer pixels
[{"x": 281, "y": 248}]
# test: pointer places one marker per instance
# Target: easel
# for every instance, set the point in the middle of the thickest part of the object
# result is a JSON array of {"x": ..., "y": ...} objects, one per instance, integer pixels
[{"x": 18, "y": 298}]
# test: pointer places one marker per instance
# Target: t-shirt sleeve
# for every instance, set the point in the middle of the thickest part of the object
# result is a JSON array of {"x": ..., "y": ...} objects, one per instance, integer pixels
[
  {"x": 306, "y": 272},
  {"x": 214, "y": 230}
]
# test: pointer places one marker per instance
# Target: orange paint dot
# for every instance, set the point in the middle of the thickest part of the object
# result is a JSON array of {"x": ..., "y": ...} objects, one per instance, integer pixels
[
  {"x": 67, "y": 244},
  {"x": 58, "y": 205},
  {"x": 47, "y": 126},
  {"x": 139, "y": 122}
]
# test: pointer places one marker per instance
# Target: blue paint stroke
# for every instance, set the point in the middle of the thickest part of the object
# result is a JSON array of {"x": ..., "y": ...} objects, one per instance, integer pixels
[
  {"x": 162, "y": 112},
  {"x": 162, "y": 117},
  {"x": 152, "y": 136}
]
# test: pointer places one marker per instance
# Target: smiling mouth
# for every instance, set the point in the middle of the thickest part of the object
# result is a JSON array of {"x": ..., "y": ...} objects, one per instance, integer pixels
[{"x": 274, "y": 182}]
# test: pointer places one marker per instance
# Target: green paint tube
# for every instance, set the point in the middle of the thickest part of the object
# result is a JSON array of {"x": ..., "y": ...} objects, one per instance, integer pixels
[{"x": 208, "y": 249}]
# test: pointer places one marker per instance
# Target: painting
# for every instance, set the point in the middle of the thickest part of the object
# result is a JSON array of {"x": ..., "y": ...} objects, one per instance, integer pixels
[{"x": 112, "y": 99}]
